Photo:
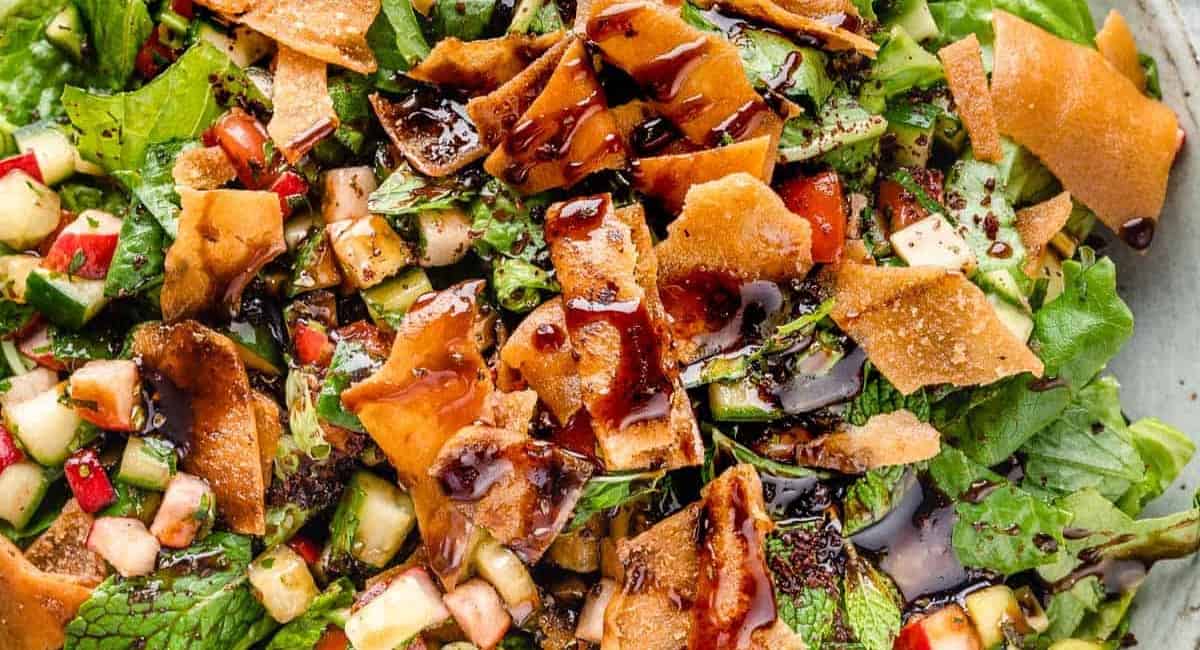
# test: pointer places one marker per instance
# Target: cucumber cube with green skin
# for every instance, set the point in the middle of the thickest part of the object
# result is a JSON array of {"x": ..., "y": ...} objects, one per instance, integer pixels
[
  {"x": 914, "y": 17},
  {"x": 389, "y": 301},
  {"x": 256, "y": 347},
  {"x": 55, "y": 154},
  {"x": 22, "y": 487},
  {"x": 282, "y": 583},
  {"x": 911, "y": 128},
  {"x": 739, "y": 401},
  {"x": 65, "y": 300},
  {"x": 351, "y": 362},
  {"x": 47, "y": 426},
  {"x": 372, "y": 521},
  {"x": 147, "y": 463}
]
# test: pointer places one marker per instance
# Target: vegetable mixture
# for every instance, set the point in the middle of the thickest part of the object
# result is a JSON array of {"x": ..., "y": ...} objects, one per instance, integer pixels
[{"x": 618, "y": 324}]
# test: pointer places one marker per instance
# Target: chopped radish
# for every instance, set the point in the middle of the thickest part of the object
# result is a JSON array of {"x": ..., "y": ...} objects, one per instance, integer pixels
[
  {"x": 88, "y": 480},
  {"x": 124, "y": 543},
  {"x": 85, "y": 247},
  {"x": 22, "y": 388},
  {"x": 36, "y": 347},
  {"x": 306, "y": 548},
  {"x": 946, "y": 629},
  {"x": 291, "y": 188},
  {"x": 446, "y": 236},
  {"x": 187, "y": 506},
  {"x": 26, "y": 162},
  {"x": 479, "y": 612},
  {"x": 106, "y": 392},
  {"x": 10, "y": 453},
  {"x": 992, "y": 610},
  {"x": 410, "y": 603},
  {"x": 312, "y": 343},
  {"x": 591, "y": 618},
  {"x": 346, "y": 192},
  {"x": 282, "y": 583}
]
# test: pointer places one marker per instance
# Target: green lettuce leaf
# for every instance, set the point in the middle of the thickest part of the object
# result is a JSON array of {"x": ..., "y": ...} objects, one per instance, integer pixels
[
  {"x": 396, "y": 35},
  {"x": 199, "y": 598},
  {"x": 1069, "y": 19},
  {"x": 32, "y": 71},
  {"x": 509, "y": 224},
  {"x": 304, "y": 632},
  {"x": 977, "y": 204},
  {"x": 901, "y": 65},
  {"x": 351, "y": 362},
  {"x": 154, "y": 185},
  {"x": 463, "y": 19},
  {"x": 1165, "y": 451},
  {"x": 405, "y": 191},
  {"x": 87, "y": 193},
  {"x": 137, "y": 264},
  {"x": 116, "y": 31},
  {"x": 520, "y": 286}
]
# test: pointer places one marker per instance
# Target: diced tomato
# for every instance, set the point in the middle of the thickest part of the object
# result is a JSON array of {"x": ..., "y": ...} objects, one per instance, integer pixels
[
  {"x": 899, "y": 205},
  {"x": 313, "y": 345},
  {"x": 26, "y": 162},
  {"x": 10, "y": 453},
  {"x": 85, "y": 247},
  {"x": 36, "y": 347},
  {"x": 106, "y": 392},
  {"x": 153, "y": 57},
  {"x": 183, "y": 8},
  {"x": 244, "y": 140},
  {"x": 291, "y": 188},
  {"x": 333, "y": 639},
  {"x": 819, "y": 199},
  {"x": 305, "y": 548},
  {"x": 88, "y": 480}
]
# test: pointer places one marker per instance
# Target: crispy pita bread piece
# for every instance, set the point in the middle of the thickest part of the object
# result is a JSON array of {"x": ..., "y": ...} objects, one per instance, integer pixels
[
  {"x": 520, "y": 489},
  {"x": 205, "y": 366},
  {"x": 736, "y": 225},
  {"x": 303, "y": 109},
  {"x": 784, "y": 16},
  {"x": 692, "y": 78},
  {"x": 669, "y": 177},
  {"x": 647, "y": 133},
  {"x": 227, "y": 7},
  {"x": 512, "y": 410},
  {"x": 923, "y": 326},
  {"x": 1038, "y": 224},
  {"x": 701, "y": 571},
  {"x": 496, "y": 113},
  {"x": 540, "y": 352},
  {"x": 1111, "y": 146},
  {"x": 628, "y": 376},
  {"x": 203, "y": 168},
  {"x": 35, "y": 606},
  {"x": 484, "y": 65},
  {"x": 63, "y": 547},
  {"x": 963, "y": 62},
  {"x": 434, "y": 383},
  {"x": 1116, "y": 44},
  {"x": 431, "y": 129},
  {"x": 333, "y": 31},
  {"x": 566, "y": 134},
  {"x": 268, "y": 421},
  {"x": 895, "y": 438},
  {"x": 828, "y": 9},
  {"x": 225, "y": 237}
]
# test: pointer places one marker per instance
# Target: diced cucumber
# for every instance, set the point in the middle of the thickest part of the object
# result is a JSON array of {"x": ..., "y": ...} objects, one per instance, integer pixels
[
  {"x": 740, "y": 402},
  {"x": 368, "y": 250},
  {"x": 389, "y": 301},
  {"x": 147, "y": 463},
  {"x": 508, "y": 574},
  {"x": 409, "y": 604},
  {"x": 243, "y": 46},
  {"x": 133, "y": 502},
  {"x": 53, "y": 149},
  {"x": 372, "y": 520},
  {"x": 911, "y": 126},
  {"x": 1002, "y": 282},
  {"x": 1016, "y": 319},
  {"x": 22, "y": 488},
  {"x": 282, "y": 583},
  {"x": 67, "y": 301},
  {"x": 66, "y": 32},
  {"x": 523, "y": 16},
  {"x": 315, "y": 266},
  {"x": 48, "y": 428},
  {"x": 14, "y": 270},
  {"x": 256, "y": 347},
  {"x": 29, "y": 211},
  {"x": 914, "y": 16}
]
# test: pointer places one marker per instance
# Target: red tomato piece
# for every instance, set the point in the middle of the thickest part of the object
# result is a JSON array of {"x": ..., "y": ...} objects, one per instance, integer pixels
[
  {"x": 305, "y": 548},
  {"x": 291, "y": 188},
  {"x": 26, "y": 162},
  {"x": 10, "y": 453},
  {"x": 153, "y": 57},
  {"x": 88, "y": 481},
  {"x": 312, "y": 343},
  {"x": 333, "y": 639},
  {"x": 819, "y": 199},
  {"x": 183, "y": 8},
  {"x": 899, "y": 206},
  {"x": 244, "y": 140}
]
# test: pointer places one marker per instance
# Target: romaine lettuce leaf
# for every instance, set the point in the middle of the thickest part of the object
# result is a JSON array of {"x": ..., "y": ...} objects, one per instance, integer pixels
[
  {"x": 32, "y": 71},
  {"x": 137, "y": 264},
  {"x": 1165, "y": 451},
  {"x": 116, "y": 31}
]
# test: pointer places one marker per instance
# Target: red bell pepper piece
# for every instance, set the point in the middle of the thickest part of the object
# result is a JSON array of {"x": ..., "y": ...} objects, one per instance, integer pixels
[
  {"x": 88, "y": 480},
  {"x": 305, "y": 548},
  {"x": 10, "y": 453},
  {"x": 153, "y": 56},
  {"x": 899, "y": 206},
  {"x": 291, "y": 188},
  {"x": 312, "y": 343},
  {"x": 26, "y": 162},
  {"x": 819, "y": 200}
]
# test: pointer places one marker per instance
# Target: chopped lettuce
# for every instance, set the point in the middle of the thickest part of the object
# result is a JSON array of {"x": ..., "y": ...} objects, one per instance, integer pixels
[
  {"x": 116, "y": 31},
  {"x": 405, "y": 191},
  {"x": 1164, "y": 450},
  {"x": 902, "y": 65},
  {"x": 154, "y": 185},
  {"x": 32, "y": 71},
  {"x": 519, "y": 285},
  {"x": 463, "y": 19},
  {"x": 872, "y": 603},
  {"x": 137, "y": 264}
]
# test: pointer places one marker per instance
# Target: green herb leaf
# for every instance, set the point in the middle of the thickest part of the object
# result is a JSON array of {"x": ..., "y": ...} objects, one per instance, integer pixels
[
  {"x": 519, "y": 285},
  {"x": 155, "y": 184},
  {"x": 872, "y": 604},
  {"x": 873, "y": 495},
  {"x": 116, "y": 31},
  {"x": 350, "y": 363},
  {"x": 463, "y": 19},
  {"x": 396, "y": 36},
  {"x": 302, "y": 417},
  {"x": 137, "y": 264},
  {"x": 612, "y": 490},
  {"x": 407, "y": 192},
  {"x": 880, "y": 396},
  {"x": 14, "y": 316},
  {"x": 509, "y": 224},
  {"x": 303, "y": 633},
  {"x": 1165, "y": 451},
  {"x": 32, "y": 71},
  {"x": 808, "y": 579}
]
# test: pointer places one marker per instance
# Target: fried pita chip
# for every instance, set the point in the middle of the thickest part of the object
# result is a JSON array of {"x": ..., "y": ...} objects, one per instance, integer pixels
[
  {"x": 540, "y": 352},
  {"x": 62, "y": 549},
  {"x": 203, "y": 168},
  {"x": 520, "y": 489},
  {"x": 225, "y": 237},
  {"x": 1111, "y": 146},
  {"x": 1115, "y": 42},
  {"x": 434, "y": 383},
  {"x": 628, "y": 377},
  {"x": 225, "y": 451},
  {"x": 269, "y": 423},
  {"x": 895, "y": 438},
  {"x": 431, "y": 129},
  {"x": 669, "y": 177},
  {"x": 333, "y": 31},
  {"x": 496, "y": 113},
  {"x": 565, "y": 135},
  {"x": 483, "y": 65},
  {"x": 511, "y": 410},
  {"x": 227, "y": 7},
  {"x": 923, "y": 326},
  {"x": 675, "y": 574},
  {"x": 963, "y": 62},
  {"x": 303, "y": 109},
  {"x": 643, "y": 130},
  {"x": 1038, "y": 224},
  {"x": 35, "y": 606},
  {"x": 783, "y": 16},
  {"x": 820, "y": 8}
]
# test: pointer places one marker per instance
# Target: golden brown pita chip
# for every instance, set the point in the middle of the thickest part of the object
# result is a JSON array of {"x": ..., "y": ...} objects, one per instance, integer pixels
[
  {"x": 269, "y": 424},
  {"x": 634, "y": 114},
  {"x": 963, "y": 62},
  {"x": 895, "y": 438},
  {"x": 303, "y": 109},
  {"x": 539, "y": 350},
  {"x": 669, "y": 177},
  {"x": 1111, "y": 146},
  {"x": 923, "y": 326},
  {"x": 203, "y": 168},
  {"x": 736, "y": 225},
  {"x": 35, "y": 606},
  {"x": 784, "y": 16},
  {"x": 628, "y": 377},
  {"x": 333, "y": 31},
  {"x": 225, "y": 441},
  {"x": 227, "y": 7},
  {"x": 225, "y": 237},
  {"x": 520, "y": 489},
  {"x": 482, "y": 65},
  {"x": 1116, "y": 44},
  {"x": 820, "y": 8},
  {"x": 431, "y": 129},
  {"x": 496, "y": 113},
  {"x": 434, "y": 383},
  {"x": 1038, "y": 224},
  {"x": 62, "y": 549},
  {"x": 565, "y": 135}
]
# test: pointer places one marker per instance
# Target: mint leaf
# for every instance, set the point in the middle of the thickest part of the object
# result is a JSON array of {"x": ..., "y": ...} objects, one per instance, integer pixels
[
  {"x": 510, "y": 224},
  {"x": 872, "y": 604},
  {"x": 14, "y": 316},
  {"x": 407, "y": 192},
  {"x": 610, "y": 491},
  {"x": 305, "y": 631},
  {"x": 199, "y": 599},
  {"x": 116, "y": 31},
  {"x": 873, "y": 495},
  {"x": 351, "y": 363},
  {"x": 879, "y": 396},
  {"x": 806, "y": 560}
]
